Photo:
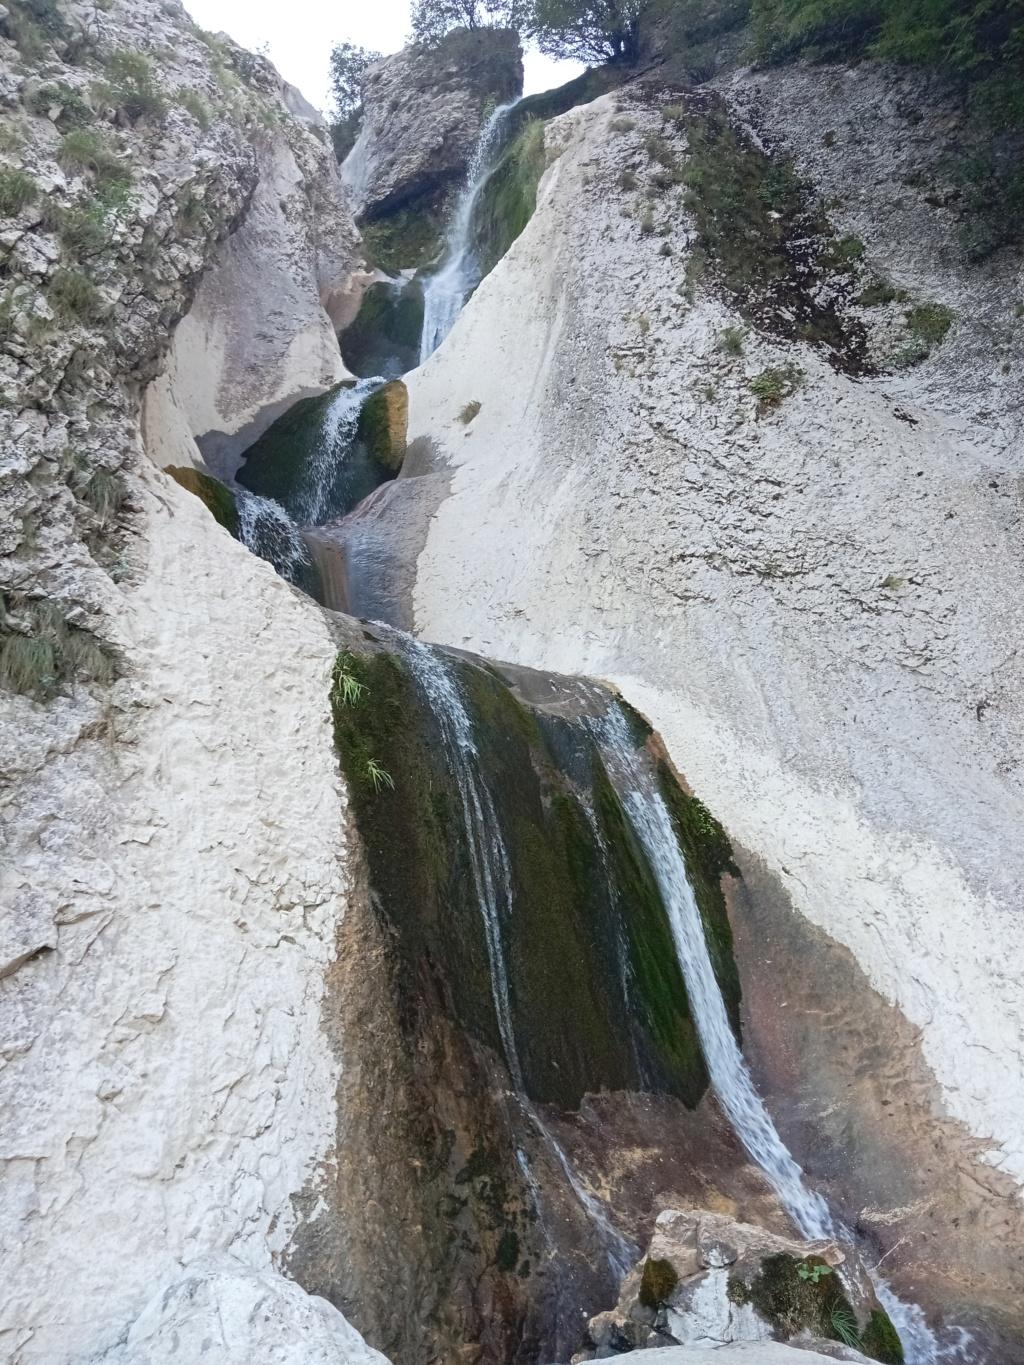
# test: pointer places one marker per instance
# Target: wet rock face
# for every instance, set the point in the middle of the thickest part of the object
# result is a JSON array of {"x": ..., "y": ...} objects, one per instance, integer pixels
[
  {"x": 708, "y": 1279},
  {"x": 423, "y": 112}
]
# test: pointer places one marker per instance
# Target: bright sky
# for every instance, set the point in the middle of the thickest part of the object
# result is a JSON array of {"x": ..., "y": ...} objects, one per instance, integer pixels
[{"x": 299, "y": 35}]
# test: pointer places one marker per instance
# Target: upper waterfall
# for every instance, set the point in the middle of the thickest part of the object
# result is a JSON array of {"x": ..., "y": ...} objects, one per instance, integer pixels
[{"x": 445, "y": 292}]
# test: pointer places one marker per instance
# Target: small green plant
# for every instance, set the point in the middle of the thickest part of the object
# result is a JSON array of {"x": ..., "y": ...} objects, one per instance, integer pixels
[
  {"x": 379, "y": 776},
  {"x": 105, "y": 493},
  {"x": 666, "y": 249},
  {"x": 892, "y": 582},
  {"x": 647, "y": 225},
  {"x": 659, "y": 150},
  {"x": 880, "y": 292},
  {"x": 73, "y": 296},
  {"x": 47, "y": 650},
  {"x": 347, "y": 688},
  {"x": 844, "y": 253},
  {"x": 132, "y": 86},
  {"x": 844, "y": 1324},
  {"x": 829, "y": 138},
  {"x": 469, "y": 412},
  {"x": 191, "y": 101},
  {"x": 627, "y": 180},
  {"x": 731, "y": 339},
  {"x": 930, "y": 322},
  {"x": 813, "y": 1271},
  {"x": 622, "y": 125},
  {"x": 66, "y": 105},
  {"x": 83, "y": 230},
  {"x": 774, "y": 384},
  {"x": 673, "y": 113},
  {"x": 17, "y": 191}
]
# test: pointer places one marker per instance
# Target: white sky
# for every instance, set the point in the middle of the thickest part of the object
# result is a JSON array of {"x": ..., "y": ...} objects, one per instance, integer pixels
[{"x": 299, "y": 35}]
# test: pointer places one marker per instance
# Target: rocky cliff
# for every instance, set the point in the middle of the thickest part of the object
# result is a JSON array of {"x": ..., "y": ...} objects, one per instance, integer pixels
[
  {"x": 166, "y": 1086},
  {"x": 746, "y": 438}
]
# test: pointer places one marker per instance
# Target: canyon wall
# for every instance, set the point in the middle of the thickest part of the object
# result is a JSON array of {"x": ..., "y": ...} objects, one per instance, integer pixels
[
  {"x": 176, "y": 847},
  {"x": 792, "y": 537}
]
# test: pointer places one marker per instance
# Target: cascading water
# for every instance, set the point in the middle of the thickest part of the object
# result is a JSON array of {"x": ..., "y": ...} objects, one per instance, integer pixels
[
  {"x": 636, "y": 785},
  {"x": 492, "y": 881},
  {"x": 265, "y": 528},
  {"x": 337, "y": 430},
  {"x": 446, "y": 292}
]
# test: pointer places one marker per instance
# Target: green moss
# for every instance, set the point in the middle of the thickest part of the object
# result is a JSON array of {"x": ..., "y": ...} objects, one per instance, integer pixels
[
  {"x": 507, "y": 1255},
  {"x": 406, "y": 239},
  {"x": 880, "y": 1340},
  {"x": 509, "y": 197},
  {"x": 930, "y": 322},
  {"x": 763, "y": 238},
  {"x": 708, "y": 855},
  {"x": 216, "y": 495},
  {"x": 384, "y": 337},
  {"x": 793, "y": 1303},
  {"x": 880, "y": 292},
  {"x": 383, "y": 425},
  {"x": 657, "y": 1282},
  {"x": 596, "y": 994}
]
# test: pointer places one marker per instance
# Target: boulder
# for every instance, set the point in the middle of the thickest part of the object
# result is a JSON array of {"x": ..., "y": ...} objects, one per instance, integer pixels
[
  {"x": 384, "y": 424},
  {"x": 708, "y": 1279}
]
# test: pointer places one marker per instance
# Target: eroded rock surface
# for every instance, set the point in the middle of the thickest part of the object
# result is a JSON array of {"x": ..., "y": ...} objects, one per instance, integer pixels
[{"x": 808, "y": 580}]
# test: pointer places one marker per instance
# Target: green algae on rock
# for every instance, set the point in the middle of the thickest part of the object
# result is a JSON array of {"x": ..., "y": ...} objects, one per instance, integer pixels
[{"x": 217, "y": 497}]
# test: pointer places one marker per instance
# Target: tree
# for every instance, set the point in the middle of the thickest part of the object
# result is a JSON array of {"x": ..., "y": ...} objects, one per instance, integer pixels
[
  {"x": 432, "y": 19},
  {"x": 349, "y": 64},
  {"x": 591, "y": 30}
]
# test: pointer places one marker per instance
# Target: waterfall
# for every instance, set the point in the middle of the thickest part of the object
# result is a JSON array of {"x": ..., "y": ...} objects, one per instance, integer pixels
[
  {"x": 491, "y": 871},
  {"x": 337, "y": 431},
  {"x": 265, "y": 528},
  {"x": 446, "y": 292},
  {"x": 635, "y": 782}
]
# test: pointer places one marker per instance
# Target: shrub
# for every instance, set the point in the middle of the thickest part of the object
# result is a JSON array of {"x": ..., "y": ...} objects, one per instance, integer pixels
[
  {"x": 33, "y": 24},
  {"x": 930, "y": 322},
  {"x": 74, "y": 112},
  {"x": 72, "y": 295},
  {"x": 774, "y": 384},
  {"x": 192, "y": 102},
  {"x": 17, "y": 191},
  {"x": 622, "y": 125},
  {"x": 83, "y": 230},
  {"x": 627, "y": 180},
  {"x": 105, "y": 493},
  {"x": 132, "y": 86},
  {"x": 731, "y": 339},
  {"x": 84, "y": 151},
  {"x": 469, "y": 412},
  {"x": 880, "y": 292}
]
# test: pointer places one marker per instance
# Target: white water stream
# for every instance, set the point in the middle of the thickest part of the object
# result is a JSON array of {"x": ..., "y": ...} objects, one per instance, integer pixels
[
  {"x": 445, "y": 292},
  {"x": 337, "y": 429},
  {"x": 635, "y": 782},
  {"x": 492, "y": 882},
  {"x": 265, "y": 528}
]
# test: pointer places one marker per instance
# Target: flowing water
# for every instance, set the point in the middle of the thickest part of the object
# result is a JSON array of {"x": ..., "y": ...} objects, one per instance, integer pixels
[
  {"x": 636, "y": 784},
  {"x": 337, "y": 431},
  {"x": 492, "y": 881},
  {"x": 265, "y": 528},
  {"x": 446, "y": 292}
]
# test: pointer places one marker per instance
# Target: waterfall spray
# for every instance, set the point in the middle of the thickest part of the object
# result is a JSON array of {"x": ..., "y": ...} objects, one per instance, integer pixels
[
  {"x": 446, "y": 292},
  {"x": 337, "y": 430}
]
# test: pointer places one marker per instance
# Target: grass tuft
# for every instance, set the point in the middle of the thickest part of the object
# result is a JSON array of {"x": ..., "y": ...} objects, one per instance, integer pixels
[{"x": 17, "y": 191}]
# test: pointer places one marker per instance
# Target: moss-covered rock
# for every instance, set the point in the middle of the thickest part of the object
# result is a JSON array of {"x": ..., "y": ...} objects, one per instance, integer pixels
[
  {"x": 657, "y": 1283},
  {"x": 384, "y": 336},
  {"x": 216, "y": 495},
  {"x": 880, "y": 1340},
  {"x": 596, "y": 995},
  {"x": 316, "y": 463},
  {"x": 384, "y": 425},
  {"x": 509, "y": 196}
]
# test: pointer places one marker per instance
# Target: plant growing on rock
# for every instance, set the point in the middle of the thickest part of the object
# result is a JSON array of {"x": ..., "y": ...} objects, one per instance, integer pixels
[
  {"x": 774, "y": 384},
  {"x": 40, "y": 650},
  {"x": 73, "y": 296},
  {"x": 17, "y": 191}
]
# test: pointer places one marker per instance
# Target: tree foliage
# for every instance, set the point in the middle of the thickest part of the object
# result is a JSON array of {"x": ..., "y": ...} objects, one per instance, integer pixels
[
  {"x": 592, "y": 30},
  {"x": 349, "y": 65},
  {"x": 432, "y": 19}
]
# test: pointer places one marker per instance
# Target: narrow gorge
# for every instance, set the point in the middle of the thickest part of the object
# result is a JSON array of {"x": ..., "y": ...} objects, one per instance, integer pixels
[{"x": 510, "y": 699}]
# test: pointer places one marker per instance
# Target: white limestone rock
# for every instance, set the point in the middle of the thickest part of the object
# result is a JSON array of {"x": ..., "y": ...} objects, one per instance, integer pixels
[{"x": 223, "y": 1313}]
